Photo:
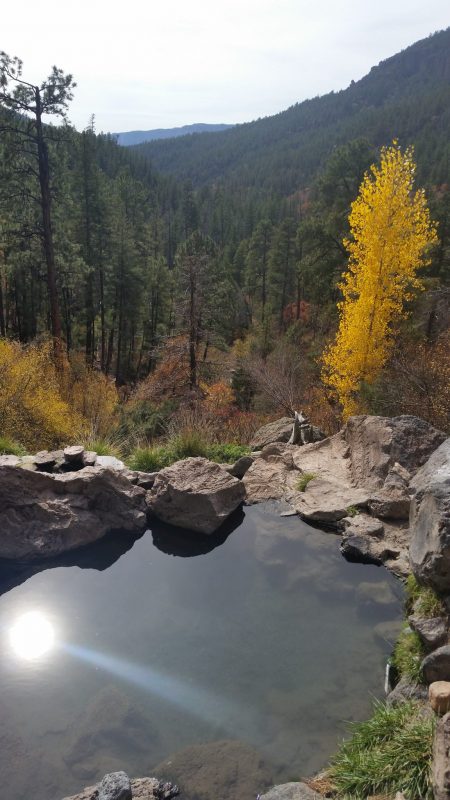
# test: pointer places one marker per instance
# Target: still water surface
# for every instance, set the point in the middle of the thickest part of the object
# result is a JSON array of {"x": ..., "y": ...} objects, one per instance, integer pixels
[{"x": 250, "y": 655}]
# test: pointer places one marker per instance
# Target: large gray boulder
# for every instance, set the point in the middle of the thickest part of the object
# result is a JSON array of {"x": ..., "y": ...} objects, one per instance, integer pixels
[
  {"x": 291, "y": 791},
  {"x": 430, "y": 521},
  {"x": 43, "y": 515},
  {"x": 441, "y": 761},
  {"x": 436, "y": 665},
  {"x": 376, "y": 444},
  {"x": 195, "y": 494}
]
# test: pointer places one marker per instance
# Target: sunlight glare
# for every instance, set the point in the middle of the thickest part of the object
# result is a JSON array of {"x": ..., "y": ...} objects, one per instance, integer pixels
[{"x": 32, "y": 635}]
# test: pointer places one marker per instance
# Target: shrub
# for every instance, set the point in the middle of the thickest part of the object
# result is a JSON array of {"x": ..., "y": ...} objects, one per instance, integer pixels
[
  {"x": 227, "y": 453},
  {"x": 10, "y": 448},
  {"x": 32, "y": 409},
  {"x": 391, "y": 752},
  {"x": 144, "y": 420},
  {"x": 408, "y": 655},
  {"x": 304, "y": 479},
  {"x": 90, "y": 393},
  {"x": 150, "y": 459}
]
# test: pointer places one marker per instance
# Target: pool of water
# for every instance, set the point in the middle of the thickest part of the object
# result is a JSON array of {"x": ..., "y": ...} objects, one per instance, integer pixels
[{"x": 225, "y": 670}]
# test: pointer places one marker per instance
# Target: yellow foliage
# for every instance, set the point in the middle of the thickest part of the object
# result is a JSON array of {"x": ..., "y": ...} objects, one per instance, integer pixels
[
  {"x": 90, "y": 393},
  {"x": 390, "y": 232},
  {"x": 218, "y": 395},
  {"x": 32, "y": 410}
]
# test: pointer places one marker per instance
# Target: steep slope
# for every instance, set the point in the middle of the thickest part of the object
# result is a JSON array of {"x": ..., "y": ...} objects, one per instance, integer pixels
[
  {"x": 129, "y": 138},
  {"x": 407, "y": 96}
]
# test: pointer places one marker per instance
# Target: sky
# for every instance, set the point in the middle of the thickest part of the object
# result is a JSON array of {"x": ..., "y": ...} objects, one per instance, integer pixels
[{"x": 162, "y": 64}]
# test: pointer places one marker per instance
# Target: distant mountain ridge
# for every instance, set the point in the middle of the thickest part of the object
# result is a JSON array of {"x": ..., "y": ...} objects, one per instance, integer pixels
[
  {"x": 406, "y": 96},
  {"x": 129, "y": 138}
]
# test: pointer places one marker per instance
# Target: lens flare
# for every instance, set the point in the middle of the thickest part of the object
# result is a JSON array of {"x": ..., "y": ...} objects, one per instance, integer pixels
[{"x": 32, "y": 635}]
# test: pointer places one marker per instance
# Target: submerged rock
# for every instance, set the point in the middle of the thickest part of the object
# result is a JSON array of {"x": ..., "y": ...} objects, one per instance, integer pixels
[
  {"x": 43, "y": 515},
  {"x": 141, "y": 789},
  {"x": 225, "y": 769},
  {"x": 195, "y": 494}
]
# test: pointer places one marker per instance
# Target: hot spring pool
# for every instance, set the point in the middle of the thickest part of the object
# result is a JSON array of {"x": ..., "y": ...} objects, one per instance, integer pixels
[{"x": 226, "y": 670}]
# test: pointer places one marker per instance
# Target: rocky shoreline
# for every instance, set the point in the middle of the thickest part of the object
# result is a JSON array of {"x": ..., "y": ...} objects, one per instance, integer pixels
[{"x": 383, "y": 484}]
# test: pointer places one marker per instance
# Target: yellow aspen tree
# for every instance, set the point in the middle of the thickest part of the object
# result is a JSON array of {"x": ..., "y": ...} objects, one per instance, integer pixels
[{"x": 390, "y": 233}]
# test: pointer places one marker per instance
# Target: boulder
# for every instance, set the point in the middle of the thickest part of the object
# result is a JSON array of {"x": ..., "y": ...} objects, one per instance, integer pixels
[
  {"x": 436, "y": 665},
  {"x": 278, "y": 431},
  {"x": 406, "y": 691},
  {"x": 390, "y": 504},
  {"x": 195, "y": 494},
  {"x": 325, "y": 501},
  {"x": 430, "y": 521},
  {"x": 89, "y": 458},
  {"x": 433, "y": 632},
  {"x": 266, "y": 478},
  {"x": 291, "y": 791},
  {"x": 377, "y": 443},
  {"x": 439, "y": 696},
  {"x": 43, "y": 515},
  {"x": 8, "y": 460},
  {"x": 115, "y": 786},
  {"x": 440, "y": 771},
  {"x": 46, "y": 461}
]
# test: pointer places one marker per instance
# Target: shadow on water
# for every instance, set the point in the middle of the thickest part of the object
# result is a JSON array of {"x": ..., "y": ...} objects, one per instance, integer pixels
[
  {"x": 186, "y": 544},
  {"x": 99, "y": 555}
]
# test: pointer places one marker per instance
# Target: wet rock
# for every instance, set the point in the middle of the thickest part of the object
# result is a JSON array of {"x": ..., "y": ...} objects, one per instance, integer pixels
[
  {"x": 291, "y": 791},
  {"x": 439, "y": 696},
  {"x": 436, "y": 665},
  {"x": 433, "y": 632},
  {"x": 226, "y": 770},
  {"x": 377, "y": 443},
  {"x": 43, "y": 515},
  {"x": 430, "y": 521},
  {"x": 74, "y": 455},
  {"x": 278, "y": 431},
  {"x": 195, "y": 494},
  {"x": 115, "y": 786},
  {"x": 360, "y": 550},
  {"x": 440, "y": 770},
  {"x": 240, "y": 467}
]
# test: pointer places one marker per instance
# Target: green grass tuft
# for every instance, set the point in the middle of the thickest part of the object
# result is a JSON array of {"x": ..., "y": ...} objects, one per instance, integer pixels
[
  {"x": 10, "y": 448},
  {"x": 408, "y": 655},
  {"x": 422, "y": 599},
  {"x": 391, "y": 752},
  {"x": 304, "y": 479},
  {"x": 352, "y": 511},
  {"x": 227, "y": 453},
  {"x": 155, "y": 457},
  {"x": 149, "y": 459}
]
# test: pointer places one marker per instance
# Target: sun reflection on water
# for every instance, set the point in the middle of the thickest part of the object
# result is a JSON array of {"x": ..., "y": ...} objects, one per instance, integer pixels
[{"x": 32, "y": 635}]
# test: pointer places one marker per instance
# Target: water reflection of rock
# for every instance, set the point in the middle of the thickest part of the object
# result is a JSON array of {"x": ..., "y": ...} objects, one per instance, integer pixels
[
  {"x": 178, "y": 542},
  {"x": 110, "y": 727},
  {"x": 227, "y": 770},
  {"x": 100, "y": 555}
]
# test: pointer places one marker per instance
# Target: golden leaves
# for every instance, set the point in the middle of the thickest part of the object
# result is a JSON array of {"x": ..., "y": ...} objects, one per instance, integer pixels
[{"x": 390, "y": 231}]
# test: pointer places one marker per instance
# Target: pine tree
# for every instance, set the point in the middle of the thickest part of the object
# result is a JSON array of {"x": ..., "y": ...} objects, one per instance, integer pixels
[{"x": 390, "y": 231}]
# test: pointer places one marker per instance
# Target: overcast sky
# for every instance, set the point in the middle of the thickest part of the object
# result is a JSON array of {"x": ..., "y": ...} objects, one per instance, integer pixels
[{"x": 158, "y": 64}]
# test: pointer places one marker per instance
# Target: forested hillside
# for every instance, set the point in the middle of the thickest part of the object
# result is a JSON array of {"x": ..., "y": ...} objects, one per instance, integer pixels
[
  {"x": 406, "y": 96},
  {"x": 207, "y": 268}
]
